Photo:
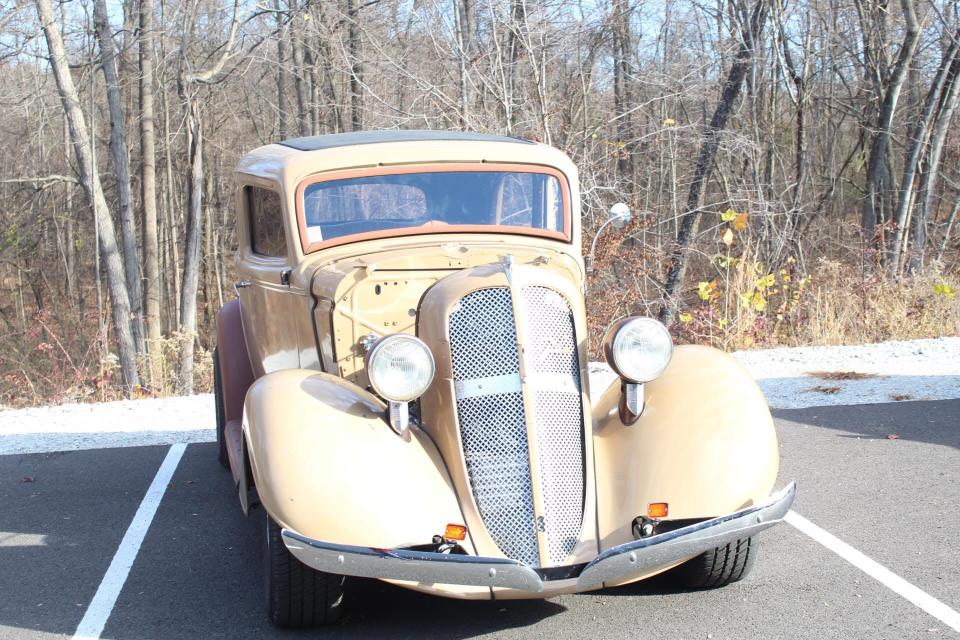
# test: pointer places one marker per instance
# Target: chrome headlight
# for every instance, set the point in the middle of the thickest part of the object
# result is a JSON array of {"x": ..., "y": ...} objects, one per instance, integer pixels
[
  {"x": 400, "y": 367},
  {"x": 638, "y": 349}
]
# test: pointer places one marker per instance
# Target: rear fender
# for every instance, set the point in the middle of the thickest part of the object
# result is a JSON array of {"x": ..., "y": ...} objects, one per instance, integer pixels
[
  {"x": 235, "y": 370},
  {"x": 327, "y": 465},
  {"x": 705, "y": 444},
  {"x": 236, "y": 376}
]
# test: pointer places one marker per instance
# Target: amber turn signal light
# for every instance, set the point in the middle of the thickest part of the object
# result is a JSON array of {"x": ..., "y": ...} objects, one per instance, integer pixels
[
  {"x": 455, "y": 532},
  {"x": 658, "y": 510}
]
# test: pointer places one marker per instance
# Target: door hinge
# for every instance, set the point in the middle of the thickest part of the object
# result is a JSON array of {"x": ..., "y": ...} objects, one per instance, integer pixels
[{"x": 285, "y": 277}]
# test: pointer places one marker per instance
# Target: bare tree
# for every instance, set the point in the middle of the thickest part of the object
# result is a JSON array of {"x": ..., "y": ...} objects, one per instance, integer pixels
[
  {"x": 622, "y": 79},
  {"x": 751, "y": 24},
  {"x": 787, "y": 118},
  {"x": 354, "y": 47},
  {"x": 932, "y": 168},
  {"x": 121, "y": 166},
  {"x": 90, "y": 179},
  {"x": 889, "y": 85},
  {"x": 281, "y": 72},
  {"x": 148, "y": 175},
  {"x": 919, "y": 137},
  {"x": 187, "y": 85}
]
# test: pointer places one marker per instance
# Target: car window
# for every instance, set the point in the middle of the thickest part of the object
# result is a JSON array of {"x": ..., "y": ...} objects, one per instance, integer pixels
[
  {"x": 338, "y": 208},
  {"x": 266, "y": 222}
]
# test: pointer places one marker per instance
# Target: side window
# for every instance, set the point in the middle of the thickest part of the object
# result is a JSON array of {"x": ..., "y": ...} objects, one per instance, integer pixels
[{"x": 266, "y": 222}]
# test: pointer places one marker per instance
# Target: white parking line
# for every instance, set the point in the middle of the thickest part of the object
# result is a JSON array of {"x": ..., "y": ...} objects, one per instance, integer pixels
[
  {"x": 91, "y": 626},
  {"x": 878, "y": 572}
]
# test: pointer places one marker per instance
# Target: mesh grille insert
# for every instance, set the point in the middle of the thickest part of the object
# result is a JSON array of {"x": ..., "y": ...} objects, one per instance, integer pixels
[
  {"x": 551, "y": 350},
  {"x": 483, "y": 343}
]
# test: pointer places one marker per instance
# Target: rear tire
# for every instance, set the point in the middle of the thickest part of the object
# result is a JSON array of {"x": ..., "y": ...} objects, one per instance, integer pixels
[
  {"x": 719, "y": 566},
  {"x": 222, "y": 456},
  {"x": 298, "y": 596}
]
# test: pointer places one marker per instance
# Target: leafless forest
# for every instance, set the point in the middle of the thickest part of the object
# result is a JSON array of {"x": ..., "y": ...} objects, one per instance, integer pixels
[{"x": 792, "y": 164}]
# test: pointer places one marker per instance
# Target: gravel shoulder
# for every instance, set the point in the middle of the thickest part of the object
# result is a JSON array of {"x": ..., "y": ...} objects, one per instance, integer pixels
[{"x": 791, "y": 378}]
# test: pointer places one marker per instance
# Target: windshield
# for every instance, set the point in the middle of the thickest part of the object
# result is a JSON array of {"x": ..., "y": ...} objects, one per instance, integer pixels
[{"x": 432, "y": 200}]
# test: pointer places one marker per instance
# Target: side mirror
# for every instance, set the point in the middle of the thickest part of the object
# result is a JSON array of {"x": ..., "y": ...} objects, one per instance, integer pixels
[{"x": 620, "y": 216}]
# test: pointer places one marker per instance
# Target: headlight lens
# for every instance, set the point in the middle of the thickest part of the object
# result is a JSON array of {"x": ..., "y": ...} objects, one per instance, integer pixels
[
  {"x": 638, "y": 349},
  {"x": 400, "y": 367}
]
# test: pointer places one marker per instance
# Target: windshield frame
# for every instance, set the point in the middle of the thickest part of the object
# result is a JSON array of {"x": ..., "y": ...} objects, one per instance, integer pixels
[{"x": 441, "y": 167}]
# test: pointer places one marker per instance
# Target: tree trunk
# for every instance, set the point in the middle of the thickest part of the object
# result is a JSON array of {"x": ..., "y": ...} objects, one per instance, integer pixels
[
  {"x": 121, "y": 165},
  {"x": 945, "y": 111},
  {"x": 950, "y": 222},
  {"x": 148, "y": 175},
  {"x": 356, "y": 66},
  {"x": 71, "y": 245},
  {"x": 518, "y": 16},
  {"x": 90, "y": 179},
  {"x": 919, "y": 135},
  {"x": 303, "y": 122},
  {"x": 622, "y": 49},
  {"x": 464, "y": 46},
  {"x": 281, "y": 73},
  {"x": 881, "y": 140},
  {"x": 191, "y": 254},
  {"x": 708, "y": 152}
]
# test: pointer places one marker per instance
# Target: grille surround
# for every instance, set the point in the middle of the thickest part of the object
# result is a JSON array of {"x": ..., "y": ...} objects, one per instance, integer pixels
[{"x": 492, "y": 410}]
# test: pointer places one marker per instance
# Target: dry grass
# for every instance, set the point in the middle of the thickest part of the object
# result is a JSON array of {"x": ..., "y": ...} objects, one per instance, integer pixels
[
  {"x": 44, "y": 366},
  {"x": 739, "y": 303},
  {"x": 845, "y": 309}
]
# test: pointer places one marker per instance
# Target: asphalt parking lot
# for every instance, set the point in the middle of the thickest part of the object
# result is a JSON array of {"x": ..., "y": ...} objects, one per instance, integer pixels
[{"x": 197, "y": 573}]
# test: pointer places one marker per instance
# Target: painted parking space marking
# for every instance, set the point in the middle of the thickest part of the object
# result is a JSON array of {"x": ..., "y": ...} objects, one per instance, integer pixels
[
  {"x": 875, "y": 570},
  {"x": 97, "y": 613}
]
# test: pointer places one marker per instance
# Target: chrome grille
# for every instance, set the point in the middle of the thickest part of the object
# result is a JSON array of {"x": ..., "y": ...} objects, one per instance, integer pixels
[
  {"x": 493, "y": 431},
  {"x": 551, "y": 354}
]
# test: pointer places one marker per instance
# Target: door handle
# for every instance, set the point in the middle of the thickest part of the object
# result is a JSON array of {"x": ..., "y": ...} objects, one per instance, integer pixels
[{"x": 243, "y": 284}]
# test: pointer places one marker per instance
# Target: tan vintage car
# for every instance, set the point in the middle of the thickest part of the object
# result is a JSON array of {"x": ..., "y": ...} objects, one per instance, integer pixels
[{"x": 403, "y": 386}]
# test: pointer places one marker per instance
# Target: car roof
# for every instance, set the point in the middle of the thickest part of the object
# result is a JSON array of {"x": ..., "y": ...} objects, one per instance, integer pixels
[
  {"x": 284, "y": 166},
  {"x": 287, "y": 163},
  {"x": 332, "y": 141}
]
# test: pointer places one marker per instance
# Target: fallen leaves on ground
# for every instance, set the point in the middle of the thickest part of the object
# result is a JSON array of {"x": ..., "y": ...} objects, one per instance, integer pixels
[
  {"x": 841, "y": 375},
  {"x": 824, "y": 389}
]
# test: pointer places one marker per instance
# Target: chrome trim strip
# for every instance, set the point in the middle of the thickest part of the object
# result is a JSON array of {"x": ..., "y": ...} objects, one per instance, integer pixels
[
  {"x": 633, "y": 395},
  {"x": 399, "y": 413},
  {"x": 417, "y": 566},
  {"x": 489, "y": 386},
  {"x": 649, "y": 554}
]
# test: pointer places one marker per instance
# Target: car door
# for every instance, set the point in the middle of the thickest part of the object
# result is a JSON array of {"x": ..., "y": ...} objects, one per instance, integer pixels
[{"x": 266, "y": 299}]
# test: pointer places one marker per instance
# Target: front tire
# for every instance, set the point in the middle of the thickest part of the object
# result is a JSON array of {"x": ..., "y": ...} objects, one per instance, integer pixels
[
  {"x": 297, "y": 596},
  {"x": 719, "y": 566}
]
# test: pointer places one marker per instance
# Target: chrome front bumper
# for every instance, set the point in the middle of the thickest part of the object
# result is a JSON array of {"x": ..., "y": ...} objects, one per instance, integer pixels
[{"x": 620, "y": 563}]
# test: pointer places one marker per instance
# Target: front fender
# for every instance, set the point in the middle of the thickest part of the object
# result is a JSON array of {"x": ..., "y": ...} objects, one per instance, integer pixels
[
  {"x": 705, "y": 444},
  {"x": 328, "y": 466}
]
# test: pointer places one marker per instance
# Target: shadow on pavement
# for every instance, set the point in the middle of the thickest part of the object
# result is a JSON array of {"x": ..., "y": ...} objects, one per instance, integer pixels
[{"x": 940, "y": 423}]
